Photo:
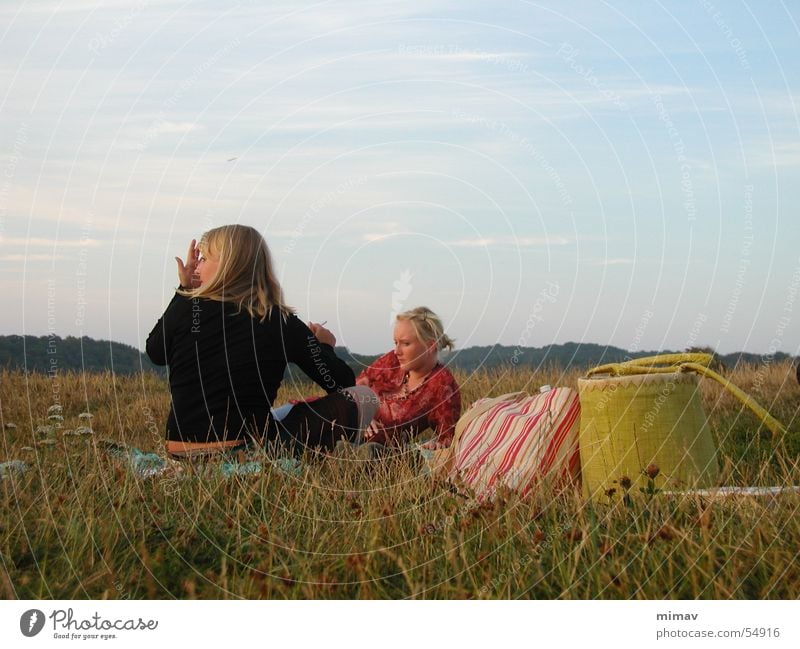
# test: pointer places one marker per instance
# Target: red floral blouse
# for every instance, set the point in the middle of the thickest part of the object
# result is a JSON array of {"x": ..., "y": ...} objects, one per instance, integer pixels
[{"x": 435, "y": 404}]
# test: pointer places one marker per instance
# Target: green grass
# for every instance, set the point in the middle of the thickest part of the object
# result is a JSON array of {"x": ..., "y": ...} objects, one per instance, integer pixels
[{"x": 80, "y": 525}]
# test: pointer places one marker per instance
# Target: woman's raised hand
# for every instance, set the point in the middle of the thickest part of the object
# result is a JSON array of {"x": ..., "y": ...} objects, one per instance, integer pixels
[
  {"x": 323, "y": 335},
  {"x": 187, "y": 272}
]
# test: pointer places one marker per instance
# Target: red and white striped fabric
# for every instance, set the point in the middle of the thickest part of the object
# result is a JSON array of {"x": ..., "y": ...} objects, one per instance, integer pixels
[{"x": 516, "y": 440}]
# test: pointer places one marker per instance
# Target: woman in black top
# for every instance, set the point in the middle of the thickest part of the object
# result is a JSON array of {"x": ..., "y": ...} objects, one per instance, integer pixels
[{"x": 227, "y": 337}]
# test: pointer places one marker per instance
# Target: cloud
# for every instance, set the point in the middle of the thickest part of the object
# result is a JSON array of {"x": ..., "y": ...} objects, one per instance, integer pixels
[
  {"x": 777, "y": 155},
  {"x": 31, "y": 257},
  {"x": 617, "y": 261},
  {"x": 166, "y": 128},
  {"x": 511, "y": 60},
  {"x": 85, "y": 6},
  {"x": 50, "y": 243},
  {"x": 515, "y": 242},
  {"x": 380, "y": 236}
]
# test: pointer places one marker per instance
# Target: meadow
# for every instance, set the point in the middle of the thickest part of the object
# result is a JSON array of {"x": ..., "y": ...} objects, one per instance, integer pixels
[{"x": 81, "y": 524}]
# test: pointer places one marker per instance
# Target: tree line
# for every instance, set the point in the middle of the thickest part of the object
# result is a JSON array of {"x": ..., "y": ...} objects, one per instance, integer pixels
[{"x": 46, "y": 354}]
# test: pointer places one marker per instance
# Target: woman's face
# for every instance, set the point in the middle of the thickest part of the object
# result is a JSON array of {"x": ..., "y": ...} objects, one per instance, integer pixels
[
  {"x": 207, "y": 265},
  {"x": 412, "y": 353}
]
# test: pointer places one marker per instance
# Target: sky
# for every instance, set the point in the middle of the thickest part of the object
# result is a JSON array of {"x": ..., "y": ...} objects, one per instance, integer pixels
[{"x": 619, "y": 173}]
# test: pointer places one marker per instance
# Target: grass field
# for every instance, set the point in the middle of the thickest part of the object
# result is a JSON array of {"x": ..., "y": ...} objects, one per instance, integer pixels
[{"x": 80, "y": 524}]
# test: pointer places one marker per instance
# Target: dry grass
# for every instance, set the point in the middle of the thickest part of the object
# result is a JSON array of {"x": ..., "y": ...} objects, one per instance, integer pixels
[{"x": 80, "y": 524}]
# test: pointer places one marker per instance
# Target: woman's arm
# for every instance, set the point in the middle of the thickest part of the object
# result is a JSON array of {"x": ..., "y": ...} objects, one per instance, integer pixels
[
  {"x": 317, "y": 359},
  {"x": 363, "y": 378},
  {"x": 446, "y": 410},
  {"x": 382, "y": 375},
  {"x": 159, "y": 342}
]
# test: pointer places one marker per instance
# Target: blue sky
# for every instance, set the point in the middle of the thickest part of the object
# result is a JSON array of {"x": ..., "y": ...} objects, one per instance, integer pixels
[{"x": 620, "y": 173}]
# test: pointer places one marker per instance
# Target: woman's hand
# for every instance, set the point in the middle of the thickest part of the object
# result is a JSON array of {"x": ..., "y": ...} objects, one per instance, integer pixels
[
  {"x": 187, "y": 273},
  {"x": 322, "y": 334},
  {"x": 374, "y": 434}
]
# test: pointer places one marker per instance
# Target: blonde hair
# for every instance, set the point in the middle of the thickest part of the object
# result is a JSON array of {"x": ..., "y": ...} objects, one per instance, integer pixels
[
  {"x": 428, "y": 327},
  {"x": 245, "y": 275}
]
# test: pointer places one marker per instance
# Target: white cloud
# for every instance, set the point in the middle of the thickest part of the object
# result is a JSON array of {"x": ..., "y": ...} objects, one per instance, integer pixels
[
  {"x": 617, "y": 261},
  {"x": 31, "y": 257},
  {"x": 84, "y": 6},
  {"x": 50, "y": 243},
  {"x": 515, "y": 242},
  {"x": 172, "y": 127},
  {"x": 780, "y": 155},
  {"x": 380, "y": 236}
]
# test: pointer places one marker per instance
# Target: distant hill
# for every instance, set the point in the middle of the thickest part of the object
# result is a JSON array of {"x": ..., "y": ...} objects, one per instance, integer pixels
[
  {"x": 584, "y": 355},
  {"x": 40, "y": 354},
  {"x": 45, "y": 353}
]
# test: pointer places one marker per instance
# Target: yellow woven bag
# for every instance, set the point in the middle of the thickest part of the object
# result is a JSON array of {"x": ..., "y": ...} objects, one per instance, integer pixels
[{"x": 647, "y": 413}]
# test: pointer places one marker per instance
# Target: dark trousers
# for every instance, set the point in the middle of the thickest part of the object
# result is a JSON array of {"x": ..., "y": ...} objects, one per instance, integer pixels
[{"x": 317, "y": 424}]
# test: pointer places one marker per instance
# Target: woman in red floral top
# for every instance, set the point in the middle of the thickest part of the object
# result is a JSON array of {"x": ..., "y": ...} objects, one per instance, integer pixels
[{"x": 415, "y": 390}]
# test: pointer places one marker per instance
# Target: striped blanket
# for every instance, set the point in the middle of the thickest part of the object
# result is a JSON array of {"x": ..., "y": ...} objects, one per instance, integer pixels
[{"x": 516, "y": 441}]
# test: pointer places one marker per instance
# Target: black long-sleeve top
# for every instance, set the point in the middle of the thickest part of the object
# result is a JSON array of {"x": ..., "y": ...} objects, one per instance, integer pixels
[{"x": 225, "y": 368}]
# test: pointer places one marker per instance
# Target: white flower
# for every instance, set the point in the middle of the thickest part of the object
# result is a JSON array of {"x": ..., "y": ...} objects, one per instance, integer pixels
[
  {"x": 10, "y": 425},
  {"x": 56, "y": 409},
  {"x": 85, "y": 415}
]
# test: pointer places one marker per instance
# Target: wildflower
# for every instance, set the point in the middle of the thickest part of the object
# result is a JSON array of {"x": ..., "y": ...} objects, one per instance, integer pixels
[
  {"x": 663, "y": 533},
  {"x": 10, "y": 425},
  {"x": 354, "y": 561},
  {"x": 13, "y": 467},
  {"x": 538, "y": 536},
  {"x": 54, "y": 410},
  {"x": 323, "y": 580},
  {"x": 190, "y": 588},
  {"x": 704, "y": 518},
  {"x": 427, "y": 529},
  {"x": 257, "y": 575},
  {"x": 85, "y": 415},
  {"x": 625, "y": 482},
  {"x": 652, "y": 471}
]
